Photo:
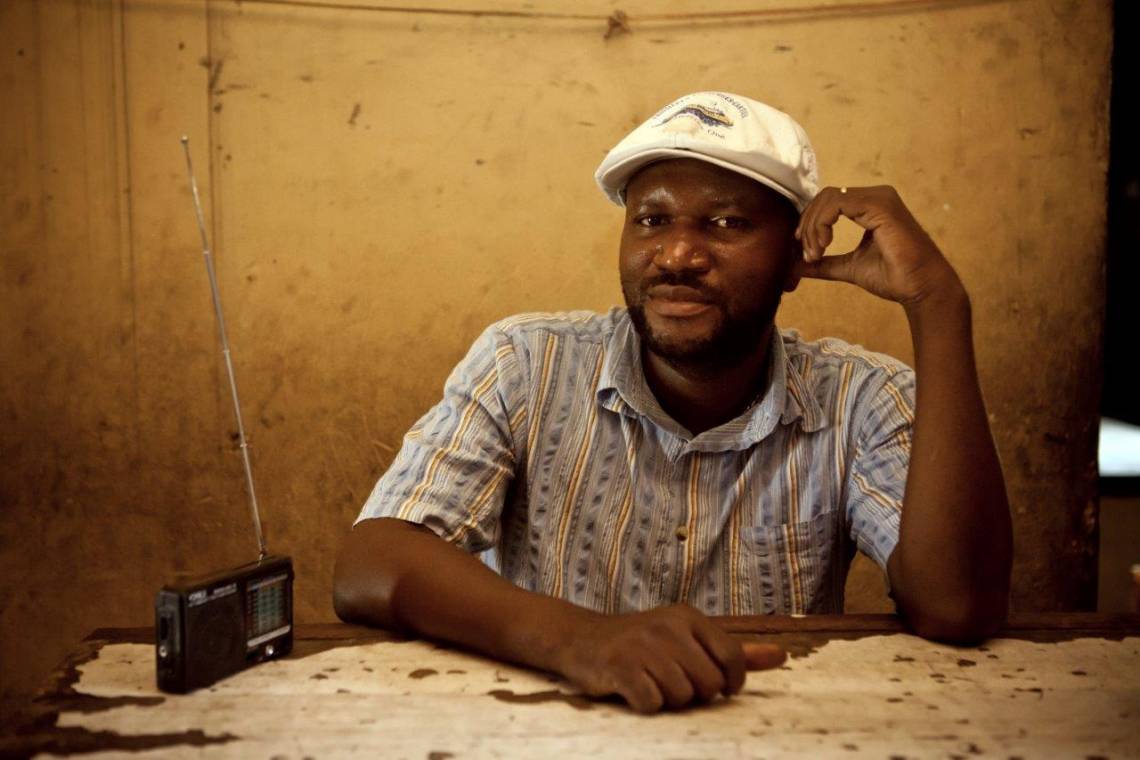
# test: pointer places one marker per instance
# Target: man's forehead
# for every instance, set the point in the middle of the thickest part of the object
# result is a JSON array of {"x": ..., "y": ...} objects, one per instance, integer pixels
[
  {"x": 664, "y": 181},
  {"x": 660, "y": 194}
]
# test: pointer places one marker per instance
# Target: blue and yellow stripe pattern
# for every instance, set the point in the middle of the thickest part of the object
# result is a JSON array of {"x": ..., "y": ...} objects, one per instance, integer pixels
[{"x": 549, "y": 455}]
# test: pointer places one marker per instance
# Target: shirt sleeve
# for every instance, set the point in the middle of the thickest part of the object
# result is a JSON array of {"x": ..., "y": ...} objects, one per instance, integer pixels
[
  {"x": 877, "y": 477},
  {"x": 456, "y": 463}
]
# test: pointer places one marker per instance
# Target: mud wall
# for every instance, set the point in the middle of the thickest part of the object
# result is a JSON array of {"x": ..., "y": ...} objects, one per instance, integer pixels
[{"x": 380, "y": 186}]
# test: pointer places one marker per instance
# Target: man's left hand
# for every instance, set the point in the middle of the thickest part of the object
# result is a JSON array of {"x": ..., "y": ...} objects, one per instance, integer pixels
[{"x": 895, "y": 260}]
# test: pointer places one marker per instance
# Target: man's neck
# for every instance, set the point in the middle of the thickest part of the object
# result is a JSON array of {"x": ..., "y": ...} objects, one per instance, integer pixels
[{"x": 701, "y": 397}]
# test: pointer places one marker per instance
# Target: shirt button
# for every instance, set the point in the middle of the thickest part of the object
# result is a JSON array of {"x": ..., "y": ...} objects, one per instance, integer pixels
[{"x": 682, "y": 532}]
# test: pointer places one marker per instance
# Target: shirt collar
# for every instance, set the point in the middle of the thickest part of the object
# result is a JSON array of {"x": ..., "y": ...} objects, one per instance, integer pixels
[{"x": 788, "y": 398}]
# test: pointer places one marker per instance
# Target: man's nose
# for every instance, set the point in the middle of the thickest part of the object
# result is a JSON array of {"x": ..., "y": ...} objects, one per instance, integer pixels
[{"x": 682, "y": 250}]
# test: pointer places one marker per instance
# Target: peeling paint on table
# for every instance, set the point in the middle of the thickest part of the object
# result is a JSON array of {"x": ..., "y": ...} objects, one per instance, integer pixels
[{"x": 880, "y": 696}]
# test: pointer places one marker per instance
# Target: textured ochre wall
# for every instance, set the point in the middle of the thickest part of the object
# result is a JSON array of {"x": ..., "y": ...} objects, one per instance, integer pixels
[{"x": 381, "y": 186}]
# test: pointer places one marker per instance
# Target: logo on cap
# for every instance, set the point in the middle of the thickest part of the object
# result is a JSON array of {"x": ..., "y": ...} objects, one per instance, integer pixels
[{"x": 707, "y": 115}]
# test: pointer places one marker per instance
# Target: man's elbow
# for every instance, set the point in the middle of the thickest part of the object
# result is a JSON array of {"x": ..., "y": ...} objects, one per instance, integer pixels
[
  {"x": 345, "y": 594},
  {"x": 363, "y": 601},
  {"x": 361, "y": 588},
  {"x": 345, "y": 602},
  {"x": 940, "y": 605},
  {"x": 966, "y": 623}
]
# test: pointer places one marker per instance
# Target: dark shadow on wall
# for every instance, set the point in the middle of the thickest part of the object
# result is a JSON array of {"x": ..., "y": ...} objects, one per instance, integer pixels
[
  {"x": 1121, "y": 398},
  {"x": 1118, "y": 576}
]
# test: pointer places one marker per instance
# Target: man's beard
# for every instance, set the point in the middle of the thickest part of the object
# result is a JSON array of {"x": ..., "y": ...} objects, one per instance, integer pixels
[{"x": 731, "y": 342}]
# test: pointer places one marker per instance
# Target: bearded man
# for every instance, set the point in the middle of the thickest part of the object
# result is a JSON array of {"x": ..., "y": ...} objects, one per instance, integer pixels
[{"x": 626, "y": 475}]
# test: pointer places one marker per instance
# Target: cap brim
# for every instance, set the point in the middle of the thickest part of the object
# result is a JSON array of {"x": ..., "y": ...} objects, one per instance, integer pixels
[{"x": 616, "y": 177}]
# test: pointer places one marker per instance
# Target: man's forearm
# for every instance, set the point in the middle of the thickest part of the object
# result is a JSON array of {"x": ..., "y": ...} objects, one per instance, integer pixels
[
  {"x": 396, "y": 575},
  {"x": 950, "y": 571}
]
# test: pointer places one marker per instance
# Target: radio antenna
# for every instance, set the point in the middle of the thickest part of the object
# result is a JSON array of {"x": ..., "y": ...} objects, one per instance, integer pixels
[{"x": 262, "y": 551}]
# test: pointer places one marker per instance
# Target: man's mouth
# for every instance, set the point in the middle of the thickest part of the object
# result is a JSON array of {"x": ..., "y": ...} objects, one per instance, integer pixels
[{"x": 677, "y": 301}]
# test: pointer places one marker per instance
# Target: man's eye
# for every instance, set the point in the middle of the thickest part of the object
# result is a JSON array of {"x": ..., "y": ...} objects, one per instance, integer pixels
[
  {"x": 651, "y": 220},
  {"x": 730, "y": 222}
]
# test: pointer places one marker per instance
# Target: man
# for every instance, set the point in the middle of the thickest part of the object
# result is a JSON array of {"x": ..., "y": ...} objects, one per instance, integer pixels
[{"x": 630, "y": 473}]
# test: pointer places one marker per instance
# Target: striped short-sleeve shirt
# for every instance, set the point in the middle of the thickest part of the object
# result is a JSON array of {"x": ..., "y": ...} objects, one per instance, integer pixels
[{"x": 550, "y": 455}]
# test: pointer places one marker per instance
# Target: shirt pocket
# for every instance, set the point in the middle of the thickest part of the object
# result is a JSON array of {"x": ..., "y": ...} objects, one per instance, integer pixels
[{"x": 792, "y": 567}]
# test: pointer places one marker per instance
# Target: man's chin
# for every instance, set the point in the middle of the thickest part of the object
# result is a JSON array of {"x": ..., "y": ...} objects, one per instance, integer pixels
[
  {"x": 700, "y": 342},
  {"x": 682, "y": 352},
  {"x": 682, "y": 346},
  {"x": 679, "y": 339}
]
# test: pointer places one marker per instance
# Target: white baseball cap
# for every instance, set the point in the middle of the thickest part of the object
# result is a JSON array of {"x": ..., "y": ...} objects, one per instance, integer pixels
[{"x": 731, "y": 131}]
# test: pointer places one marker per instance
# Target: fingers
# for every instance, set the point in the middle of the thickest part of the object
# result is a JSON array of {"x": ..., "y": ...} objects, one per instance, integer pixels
[
  {"x": 705, "y": 673},
  {"x": 673, "y": 681},
  {"x": 707, "y": 662},
  {"x": 689, "y": 660},
  {"x": 827, "y": 268},
  {"x": 727, "y": 655},
  {"x": 642, "y": 693},
  {"x": 680, "y": 663},
  {"x": 692, "y": 675},
  {"x": 763, "y": 656},
  {"x": 667, "y": 658},
  {"x": 816, "y": 228},
  {"x": 840, "y": 267},
  {"x": 669, "y": 683}
]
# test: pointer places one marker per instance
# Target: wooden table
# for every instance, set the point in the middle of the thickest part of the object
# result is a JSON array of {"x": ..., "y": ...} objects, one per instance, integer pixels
[{"x": 855, "y": 686}]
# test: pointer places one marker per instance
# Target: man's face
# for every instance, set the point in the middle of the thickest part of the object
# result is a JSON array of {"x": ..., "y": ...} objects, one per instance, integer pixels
[{"x": 705, "y": 256}]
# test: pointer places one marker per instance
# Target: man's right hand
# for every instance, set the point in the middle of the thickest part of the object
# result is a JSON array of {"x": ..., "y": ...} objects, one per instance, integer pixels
[{"x": 670, "y": 656}]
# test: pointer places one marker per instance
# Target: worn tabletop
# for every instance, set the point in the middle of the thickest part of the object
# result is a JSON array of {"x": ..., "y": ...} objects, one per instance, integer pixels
[{"x": 854, "y": 686}]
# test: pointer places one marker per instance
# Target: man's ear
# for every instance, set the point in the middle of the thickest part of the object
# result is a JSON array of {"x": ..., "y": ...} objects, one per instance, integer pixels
[{"x": 796, "y": 254}]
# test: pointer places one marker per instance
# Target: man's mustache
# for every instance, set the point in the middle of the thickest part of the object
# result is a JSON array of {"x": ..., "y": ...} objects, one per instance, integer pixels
[{"x": 686, "y": 280}]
